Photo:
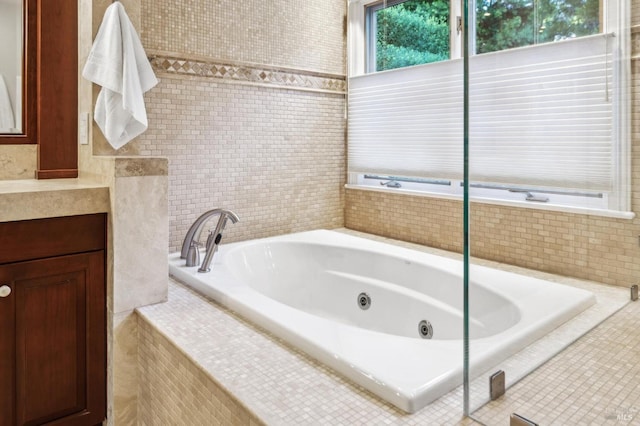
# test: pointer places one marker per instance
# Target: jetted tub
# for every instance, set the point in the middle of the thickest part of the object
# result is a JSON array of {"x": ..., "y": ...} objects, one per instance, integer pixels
[{"x": 388, "y": 318}]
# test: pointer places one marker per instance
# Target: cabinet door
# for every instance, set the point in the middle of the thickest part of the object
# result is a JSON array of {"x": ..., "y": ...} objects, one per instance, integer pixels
[
  {"x": 7, "y": 354},
  {"x": 59, "y": 339}
]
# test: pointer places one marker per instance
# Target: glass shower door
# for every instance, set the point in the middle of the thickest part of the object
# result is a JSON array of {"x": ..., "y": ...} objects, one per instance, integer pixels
[{"x": 552, "y": 241}]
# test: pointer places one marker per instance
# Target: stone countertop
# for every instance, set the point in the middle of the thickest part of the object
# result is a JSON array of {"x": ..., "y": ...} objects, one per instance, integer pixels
[{"x": 36, "y": 199}]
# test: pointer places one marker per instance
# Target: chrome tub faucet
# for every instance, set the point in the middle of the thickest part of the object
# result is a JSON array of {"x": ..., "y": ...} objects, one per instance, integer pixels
[{"x": 193, "y": 236}]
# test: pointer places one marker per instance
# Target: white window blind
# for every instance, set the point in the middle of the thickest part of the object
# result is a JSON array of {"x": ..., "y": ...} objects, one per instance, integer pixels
[{"x": 539, "y": 115}]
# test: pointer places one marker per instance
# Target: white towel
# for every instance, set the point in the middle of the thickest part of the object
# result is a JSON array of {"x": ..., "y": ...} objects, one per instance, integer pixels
[
  {"x": 118, "y": 63},
  {"x": 7, "y": 122}
]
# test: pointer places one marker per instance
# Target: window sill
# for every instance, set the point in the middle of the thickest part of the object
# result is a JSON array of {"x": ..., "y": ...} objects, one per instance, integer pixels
[{"x": 507, "y": 203}]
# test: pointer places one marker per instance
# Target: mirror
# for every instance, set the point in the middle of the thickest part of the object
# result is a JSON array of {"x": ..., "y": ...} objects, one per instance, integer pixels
[
  {"x": 11, "y": 66},
  {"x": 18, "y": 57},
  {"x": 47, "y": 110}
]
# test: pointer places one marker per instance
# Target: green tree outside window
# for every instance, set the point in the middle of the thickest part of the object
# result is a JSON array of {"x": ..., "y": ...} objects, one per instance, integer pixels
[{"x": 417, "y": 31}]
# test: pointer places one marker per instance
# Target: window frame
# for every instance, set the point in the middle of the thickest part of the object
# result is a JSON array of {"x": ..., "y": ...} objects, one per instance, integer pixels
[{"x": 588, "y": 203}]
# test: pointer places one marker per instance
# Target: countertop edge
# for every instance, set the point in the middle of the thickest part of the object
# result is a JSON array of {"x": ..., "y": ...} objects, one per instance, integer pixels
[{"x": 31, "y": 199}]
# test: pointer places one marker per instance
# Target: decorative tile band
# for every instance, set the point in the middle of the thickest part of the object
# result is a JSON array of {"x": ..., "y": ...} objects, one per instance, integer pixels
[{"x": 249, "y": 73}]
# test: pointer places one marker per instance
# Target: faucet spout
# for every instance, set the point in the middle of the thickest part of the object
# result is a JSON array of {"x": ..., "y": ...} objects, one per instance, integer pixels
[{"x": 193, "y": 234}]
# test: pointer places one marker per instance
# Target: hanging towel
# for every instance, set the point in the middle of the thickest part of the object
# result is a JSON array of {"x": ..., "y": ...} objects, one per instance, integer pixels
[
  {"x": 118, "y": 63},
  {"x": 7, "y": 122}
]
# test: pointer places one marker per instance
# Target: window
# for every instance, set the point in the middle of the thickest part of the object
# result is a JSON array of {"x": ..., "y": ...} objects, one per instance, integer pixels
[
  {"x": 505, "y": 24},
  {"x": 406, "y": 33},
  {"x": 401, "y": 33},
  {"x": 548, "y": 112}
]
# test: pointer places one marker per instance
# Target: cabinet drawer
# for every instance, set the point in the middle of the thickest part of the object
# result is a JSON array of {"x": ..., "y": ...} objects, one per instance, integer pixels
[{"x": 40, "y": 238}]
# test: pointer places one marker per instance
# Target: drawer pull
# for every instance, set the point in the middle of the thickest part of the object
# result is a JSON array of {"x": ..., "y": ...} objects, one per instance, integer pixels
[{"x": 5, "y": 290}]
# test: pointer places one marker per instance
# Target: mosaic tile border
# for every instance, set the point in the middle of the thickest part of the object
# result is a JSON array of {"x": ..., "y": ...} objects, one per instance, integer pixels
[{"x": 248, "y": 73}]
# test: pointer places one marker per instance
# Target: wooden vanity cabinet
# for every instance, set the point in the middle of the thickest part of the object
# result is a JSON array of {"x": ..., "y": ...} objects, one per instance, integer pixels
[{"x": 53, "y": 321}]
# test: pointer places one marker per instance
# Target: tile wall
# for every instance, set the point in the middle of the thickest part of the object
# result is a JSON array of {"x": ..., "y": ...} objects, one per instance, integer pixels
[
  {"x": 274, "y": 156},
  {"x": 587, "y": 247},
  {"x": 297, "y": 34},
  {"x": 249, "y": 111}
]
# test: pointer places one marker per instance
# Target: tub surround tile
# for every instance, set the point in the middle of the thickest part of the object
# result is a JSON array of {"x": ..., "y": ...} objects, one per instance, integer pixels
[
  {"x": 136, "y": 270},
  {"x": 586, "y": 247},
  {"x": 282, "y": 385},
  {"x": 174, "y": 390},
  {"x": 125, "y": 374},
  {"x": 273, "y": 156},
  {"x": 232, "y": 121},
  {"x": 140, "y": 234}
]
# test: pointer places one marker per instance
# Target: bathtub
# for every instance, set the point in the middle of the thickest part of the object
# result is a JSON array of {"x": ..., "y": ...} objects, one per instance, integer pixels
[{"x": 388, "y": 318}]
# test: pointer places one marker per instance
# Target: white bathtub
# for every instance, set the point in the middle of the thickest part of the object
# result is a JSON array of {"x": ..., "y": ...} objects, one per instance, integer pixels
[{"x": 306, "y": 288}]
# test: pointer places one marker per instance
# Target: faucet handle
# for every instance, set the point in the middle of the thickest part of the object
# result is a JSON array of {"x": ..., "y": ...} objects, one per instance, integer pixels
[{"x": 193, "y": 254}]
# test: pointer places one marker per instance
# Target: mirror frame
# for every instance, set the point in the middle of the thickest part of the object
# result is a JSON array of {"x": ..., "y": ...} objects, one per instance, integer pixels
[
  {"x": 50, "y": 87},
  {"x": 29, "y": 134}
]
